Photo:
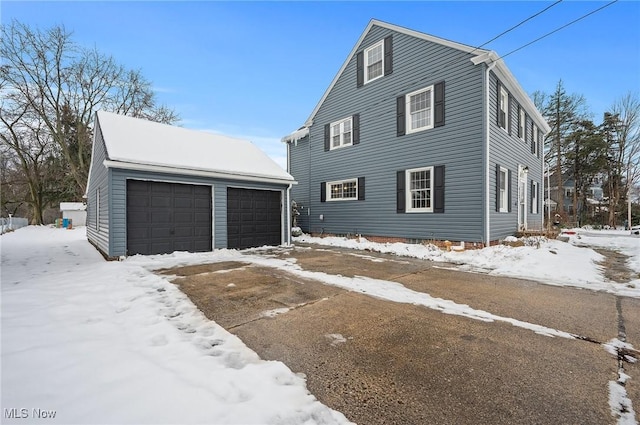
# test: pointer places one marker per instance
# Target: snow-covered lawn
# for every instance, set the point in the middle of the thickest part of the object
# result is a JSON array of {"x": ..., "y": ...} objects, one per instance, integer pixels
[
  {"x": 112, "y": 342},
  {"x": 91, "y": 341}
]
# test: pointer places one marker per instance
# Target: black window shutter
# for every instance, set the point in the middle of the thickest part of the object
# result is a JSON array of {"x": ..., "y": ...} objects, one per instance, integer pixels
[
  {"x": 360, "y": 188},
  {"x": 438, "y": 103},
  {"x": 388, "y": 55},
  {"x": 360, "y": 69},
  {"x": 508, "y": 186},
  {"x": 500, "y": 117},
  {"x": 438, "y": 188},
  {"x": 327, "y": 137},
  {"x": 323, "y": 192},
  {"x": 400, "y": 190},
  {"x": 519, "y": 122},
  {"x": 533, "y": 142},
  {"x": 400, "y": 118},
  {"x": 526, "y": 128},
  {"x": 532, "y": 187},
  {"x": 509, "y": 115},
  {"x": 356, "y": 128},
  {"x": 539, "y": 143},
  {"x": 497, "y": 187}
]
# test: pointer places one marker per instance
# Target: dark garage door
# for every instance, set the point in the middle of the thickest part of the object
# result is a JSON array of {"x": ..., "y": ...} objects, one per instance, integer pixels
[
  {"x": 253, "y": 218},
  {"x": 167, "y": 217}
]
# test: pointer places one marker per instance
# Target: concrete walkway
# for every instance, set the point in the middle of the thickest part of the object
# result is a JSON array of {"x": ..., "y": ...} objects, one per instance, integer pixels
[{"x": 381, "y": 362}]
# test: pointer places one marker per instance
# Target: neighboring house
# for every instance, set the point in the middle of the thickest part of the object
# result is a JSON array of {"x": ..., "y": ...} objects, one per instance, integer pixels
[
  {"x": 595, "y": 193},
  {"x": 155, "y": 188},
  {"x": 74, "y": 211},
  {"x": 419, "y": 138}
]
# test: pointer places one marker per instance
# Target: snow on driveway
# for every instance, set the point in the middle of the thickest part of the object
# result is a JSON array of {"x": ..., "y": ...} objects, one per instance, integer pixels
[
  {"x": 548, "y": 261},
  {"x": 111, "y": 342},
  {"x": 90, "y": 341}
]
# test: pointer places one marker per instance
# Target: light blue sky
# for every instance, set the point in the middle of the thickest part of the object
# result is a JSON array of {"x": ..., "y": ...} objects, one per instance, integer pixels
[{"x": 257, "y": 69}]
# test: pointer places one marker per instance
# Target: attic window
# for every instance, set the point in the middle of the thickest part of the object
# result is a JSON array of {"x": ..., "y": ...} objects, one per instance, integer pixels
[{"x": 374, "y": 62}]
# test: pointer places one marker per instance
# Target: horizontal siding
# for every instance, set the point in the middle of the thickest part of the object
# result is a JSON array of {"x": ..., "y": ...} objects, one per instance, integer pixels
[
  {"x": 98, "y": 180},
  {"x": 219, "y": 193},
  {"x": 458, "y": 146},
  {"x": 299, "y": 166},
  {"x": 509, "y": 151}
]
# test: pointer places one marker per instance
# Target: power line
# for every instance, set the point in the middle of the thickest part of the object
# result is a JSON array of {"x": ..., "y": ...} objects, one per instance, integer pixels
[
  {"x": 517, "y": 25},
  {"x": 446, "y": 64},
  {"x": 558, "y": 29}
]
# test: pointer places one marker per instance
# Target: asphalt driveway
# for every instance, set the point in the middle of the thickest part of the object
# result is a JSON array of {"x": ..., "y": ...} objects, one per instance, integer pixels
[{"x": 382, "y": 362}]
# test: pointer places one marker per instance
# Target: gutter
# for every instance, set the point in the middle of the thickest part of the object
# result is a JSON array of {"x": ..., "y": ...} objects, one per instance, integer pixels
[{"x": 197, "y": 173}]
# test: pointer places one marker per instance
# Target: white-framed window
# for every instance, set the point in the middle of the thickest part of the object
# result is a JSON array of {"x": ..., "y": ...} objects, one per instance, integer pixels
[
  {"x": 504, "y": 190},
  {"x": 419, "y": 110},
  {"x": 503, "y": 110},
  {"x": 419, "y": 186},
  {"x": 341, "y": 133},
  {"x": 534, "y": 197},
  {"x": 344, "y": 190},
  {"x": 374, "y": 62},
  {"x": 97, "y": 216},
  {"x": 568, "y": 192},
  {"x": 523, "y": 121},
  {"x": 534, "y": 142}
]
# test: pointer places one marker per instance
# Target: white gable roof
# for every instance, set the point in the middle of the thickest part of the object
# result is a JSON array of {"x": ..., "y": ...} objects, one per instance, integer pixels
[
  {"x": 501, "y": 69},
  {"x": 134, "y": 143}
]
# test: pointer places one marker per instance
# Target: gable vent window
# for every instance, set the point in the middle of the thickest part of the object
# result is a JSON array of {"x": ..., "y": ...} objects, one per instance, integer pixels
[
  {"x": 373, "y": 58},
  {"x": 375, "y": 61}
]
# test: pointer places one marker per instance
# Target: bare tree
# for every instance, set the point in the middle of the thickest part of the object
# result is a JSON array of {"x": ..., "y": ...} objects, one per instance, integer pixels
[
  {"x": 621, "y": 127},
  {"x": 63, "y": 85}
]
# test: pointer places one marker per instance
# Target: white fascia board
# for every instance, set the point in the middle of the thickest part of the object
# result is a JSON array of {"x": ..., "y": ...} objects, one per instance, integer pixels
[
  {"x": 296, "y": 135},
  {"x": 93, "y": 152},
  {"x": 197, "y": 173},
  {"x": 417, "y": 34},
  {"x": 506, "y": 77}
]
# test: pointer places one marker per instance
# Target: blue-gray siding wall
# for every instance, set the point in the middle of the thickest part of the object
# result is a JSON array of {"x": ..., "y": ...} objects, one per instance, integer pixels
[
  {"x": 458, "y": 145},
  {"x": 509, "y": 151},
  {"x": 299, "y": 166},
  {"x": 98, "y": 181},
  {"x": 118, "y": 197}
]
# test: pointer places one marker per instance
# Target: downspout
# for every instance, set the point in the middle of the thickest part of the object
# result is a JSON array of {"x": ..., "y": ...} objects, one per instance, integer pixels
[
  {"x": 287, "y": 232},
  {"x": 487, "y": 177}
]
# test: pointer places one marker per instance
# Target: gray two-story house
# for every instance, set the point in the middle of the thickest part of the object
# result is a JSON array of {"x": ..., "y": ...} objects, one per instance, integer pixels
[{"x": 419, "y": 138}]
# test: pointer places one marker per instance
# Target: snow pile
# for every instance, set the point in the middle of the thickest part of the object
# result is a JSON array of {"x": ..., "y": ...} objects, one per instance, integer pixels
[
  {"x": 548, "y": 261},
  {"x": 110, "y": 342}
]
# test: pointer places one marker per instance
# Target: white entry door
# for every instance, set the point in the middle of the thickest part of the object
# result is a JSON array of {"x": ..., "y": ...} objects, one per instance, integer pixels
[{"x": 523, "y": 172}]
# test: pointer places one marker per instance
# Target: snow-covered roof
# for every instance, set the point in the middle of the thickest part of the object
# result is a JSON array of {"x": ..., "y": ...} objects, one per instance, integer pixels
[
  {"x": 145, "y": 145},
  {"x": 72, "y": 206}
]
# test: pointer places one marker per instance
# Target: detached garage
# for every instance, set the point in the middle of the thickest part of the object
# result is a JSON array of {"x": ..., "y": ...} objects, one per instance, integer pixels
[{"x": 155, "y": 189}]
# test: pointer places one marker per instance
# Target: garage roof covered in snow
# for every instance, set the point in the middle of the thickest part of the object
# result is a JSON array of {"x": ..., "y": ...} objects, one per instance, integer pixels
[{"x": 135, "y": 143}]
